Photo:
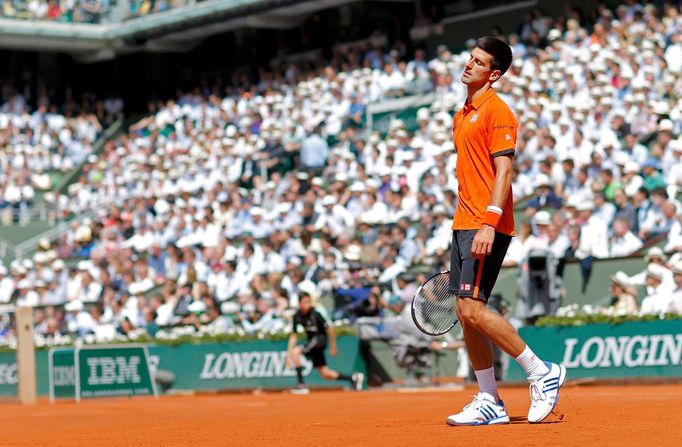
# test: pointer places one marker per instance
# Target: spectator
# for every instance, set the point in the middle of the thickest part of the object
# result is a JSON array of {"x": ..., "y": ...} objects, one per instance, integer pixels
[
  {"x": 314, "y": 152},
  {"x": 545, "y": 196},
  {"x": 676, "y": 299},
  {"x": 623, "y": 300},
  {"x": 593, "y": 234},
  {"x": 623, "y": 241},
  {"x": 658, "y": 299},
  {"x": 654, "y": 256},
  {"x": 659, "y": 217},
  {"x": 624, "y": 209}
]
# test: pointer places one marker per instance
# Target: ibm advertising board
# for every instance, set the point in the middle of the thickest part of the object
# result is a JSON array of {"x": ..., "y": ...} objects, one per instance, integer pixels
[
  {"x": 637, "y": 349},
  {"x": 104, "y": 371}
]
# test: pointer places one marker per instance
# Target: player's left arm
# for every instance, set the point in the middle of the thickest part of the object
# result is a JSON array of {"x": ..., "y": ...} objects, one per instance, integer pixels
[
  {"x": 332, "y": 340},
  {"x": 483, "y": 241}
]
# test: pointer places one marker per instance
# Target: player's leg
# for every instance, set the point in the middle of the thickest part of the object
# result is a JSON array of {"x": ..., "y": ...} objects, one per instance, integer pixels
[
  {"x": 320, "y": 362},
  {"x": 462, "y": 281},
  {"x": 487, "y": 408},
  {"x": 295, "y": 359},
  {"x": 545, "y": 378}
]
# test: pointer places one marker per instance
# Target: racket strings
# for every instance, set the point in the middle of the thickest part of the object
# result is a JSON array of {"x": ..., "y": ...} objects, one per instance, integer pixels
[{"x": 435, "y": 307}]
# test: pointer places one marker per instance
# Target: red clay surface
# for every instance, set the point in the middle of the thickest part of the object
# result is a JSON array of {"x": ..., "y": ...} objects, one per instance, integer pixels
[{"x": 594, "y": 415}]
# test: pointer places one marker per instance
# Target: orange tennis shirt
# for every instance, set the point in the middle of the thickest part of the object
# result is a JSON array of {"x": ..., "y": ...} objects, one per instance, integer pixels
[{"x": 482, "y": 130}]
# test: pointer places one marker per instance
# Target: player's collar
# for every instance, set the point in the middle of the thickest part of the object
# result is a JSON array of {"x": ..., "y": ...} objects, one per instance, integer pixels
[{"x": 480, "y": 100}]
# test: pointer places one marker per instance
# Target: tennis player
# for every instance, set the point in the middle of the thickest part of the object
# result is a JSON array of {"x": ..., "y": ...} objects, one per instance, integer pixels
[
  {"x": 485, "y": 137},
  {"x": 317, "y": 331}
]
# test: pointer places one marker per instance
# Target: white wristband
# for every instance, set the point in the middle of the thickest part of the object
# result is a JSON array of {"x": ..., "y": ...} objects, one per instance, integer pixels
[{"x": 494, "y": 209}]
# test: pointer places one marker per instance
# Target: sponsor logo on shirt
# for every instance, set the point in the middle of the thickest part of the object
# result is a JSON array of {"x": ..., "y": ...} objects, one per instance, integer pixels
[{"x": 474, "y": 117}]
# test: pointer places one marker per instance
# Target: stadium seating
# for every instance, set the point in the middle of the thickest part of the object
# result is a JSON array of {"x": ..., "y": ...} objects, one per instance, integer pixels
[
  {"x": 39, "y": 147},
  {"x": 84, "y": 11}
]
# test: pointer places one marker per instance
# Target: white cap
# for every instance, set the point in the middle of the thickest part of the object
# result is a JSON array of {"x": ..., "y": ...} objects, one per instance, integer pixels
[
  {"x": 542, "y": 180},
  {"x": 543, "y": 218},
  {"x": 328, "y": 200},
  {"x": 676, "y": 145},
  {"x": 352, "y": 253},
  {"x": 665, "y": 125},
  {"x": 631, "y": 167},
  {"x": 357, "y": 187},
  {"x": 73, "y": 305},
  {"x": 677, "y": 267},
  {"x": 341, "y": 177},
  {"x": 439, "y": 209},
  {"x": 572, "y": 202},
  {"x": 585, "y": 205},
  {"x": 621, "y": 279},
  {"x": 655, "y": 252},
  {"x": 656, "y": 271},
  {"x": 284, "y": 207}
]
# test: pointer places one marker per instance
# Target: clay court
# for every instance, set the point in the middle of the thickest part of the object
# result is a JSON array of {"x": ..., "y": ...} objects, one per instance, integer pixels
[{"x": 592, "y": 415}]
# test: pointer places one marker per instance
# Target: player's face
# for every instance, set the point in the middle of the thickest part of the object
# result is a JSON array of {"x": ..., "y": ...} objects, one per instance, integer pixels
[
  {"x": 304, "y": 305},
  {"x": 477, "y": 70}
]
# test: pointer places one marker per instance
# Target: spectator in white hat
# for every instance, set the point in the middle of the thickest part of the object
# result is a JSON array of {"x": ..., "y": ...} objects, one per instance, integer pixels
[
  {"x": 623, "y": 301},
  {"x": 593, "y": 234},
  {"x": 6, "y": 285},
  {"x": 557, "y": 240},
  {"x": 545, "y": 197},
  {"x": 674, "y": 176},
  {"x": 674, "y": 239},
  {"x": 519, "y": 247},
  {"x": 655, "y": 256},
  {"x": 676, "y": 298},
  {"x": 440, "y": 241},
  {"x": 522, "y": 185},
  {"x": 258, "y": 226},
  {"x": 659, "y": 297},
  {"x": 334, "y": 217},
  {"x": 631, "y": 180}
]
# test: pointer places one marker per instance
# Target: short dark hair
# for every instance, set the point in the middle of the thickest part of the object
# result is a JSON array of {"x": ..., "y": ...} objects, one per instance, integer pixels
[{"x": 499, "y": 50}]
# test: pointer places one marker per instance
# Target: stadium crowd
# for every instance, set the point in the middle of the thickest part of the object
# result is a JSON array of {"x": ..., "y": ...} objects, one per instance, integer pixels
[
  {"x": 38, "y": 139},
  {"x": 222, "y": 206},
  {"x": 85, "y": 11},
  {"x": 69, "y": 11}
]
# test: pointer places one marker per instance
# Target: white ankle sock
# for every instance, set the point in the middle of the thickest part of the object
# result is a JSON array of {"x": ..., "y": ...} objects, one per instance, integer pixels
[
  {"x": 534, "y": 367},
  {"x": 486, "y": 382}
]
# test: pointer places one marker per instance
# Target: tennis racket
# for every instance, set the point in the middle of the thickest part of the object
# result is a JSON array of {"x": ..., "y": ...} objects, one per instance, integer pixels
[{"x": 434, "y": 308}]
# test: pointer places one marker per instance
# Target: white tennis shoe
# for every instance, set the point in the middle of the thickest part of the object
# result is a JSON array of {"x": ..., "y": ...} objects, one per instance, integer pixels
[
  {"x": 544, "y": 393},
  {"x": 358, "y": 380},
  {"x": 482, "y": 411},
  {"x": 300, "y": 389}
]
